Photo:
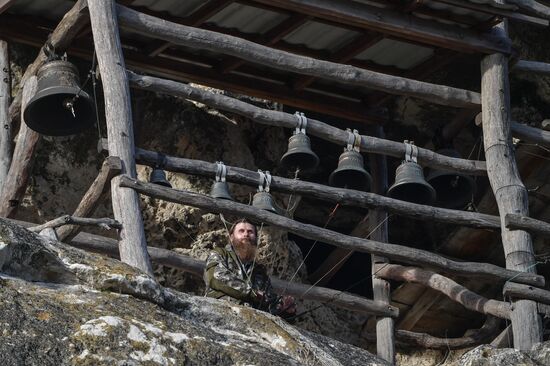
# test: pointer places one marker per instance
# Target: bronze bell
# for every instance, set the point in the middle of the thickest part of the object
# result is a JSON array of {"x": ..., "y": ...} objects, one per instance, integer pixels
[
  {"x": 299, "y": 154},
  {"x": 410, "y": 185},
  {"x": 264, "y": 200},
  {"x": 158, "y": 176},
  {"x": 221, "y": 190},
  {"x": 350, "y": 172},
  {"x": 453, "y": 189},
  {"x": 59, "y": 107}
]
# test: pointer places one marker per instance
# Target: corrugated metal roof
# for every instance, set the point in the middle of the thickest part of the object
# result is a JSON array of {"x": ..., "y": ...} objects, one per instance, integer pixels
[
  {"x": 320, "y": 36},
  {"x": 247, "y": 19},
  {"x": 49, "y": 9},
  {"x": 173, "y": 7},
  {"x": 403, "y": 55}
]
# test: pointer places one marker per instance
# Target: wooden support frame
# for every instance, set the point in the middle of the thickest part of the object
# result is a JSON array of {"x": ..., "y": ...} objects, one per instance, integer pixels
[
  {"x": 118, "y": 112},
  {"x": 5, "y": 122},
  {"x": 517, "y": 291},
  {"x": 396, "y": 252},
  {"x": 15, "y": 185},
  {"x": 111, "y": 167},
  {"x": 510, "y": 193},
  {"x": 524, "y": 66},
  {"x": 315, "y": 128},
  {"x": 216, "y": 42}
]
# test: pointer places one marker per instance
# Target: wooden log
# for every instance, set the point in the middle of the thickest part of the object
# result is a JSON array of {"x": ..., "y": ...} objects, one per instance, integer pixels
[
  {"x": 504, "y": 339},
  {"x": 378, "y": 227},
  {"x": 20, "y": 168},
  {"x": 216, "y": 42},
  {"x": 316, "y": 128},
  {"x": 106, "y": 223},
  {"x": 395, "y": 23},
  {"x": 518, "y": 222},
  {"x": 530, "y": 134},
  {"x": 396, "y": 252},
  {"x": 100, "y": 187},
  {"x": 120, "y": 132},
  {"x": 532, "y": 67},
  {"x": 48, "y": 233},
  {"x": 460, "y": 294},
  {"x": 67, "y": 29},
  {"x": 533, "y": 7},
  {"x": 5, "y": 122},
  {"x": 510, "y": 193},
  {"x": 515, "y": 290}
]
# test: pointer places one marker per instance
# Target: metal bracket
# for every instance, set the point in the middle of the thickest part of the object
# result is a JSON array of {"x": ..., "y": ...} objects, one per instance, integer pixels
[
  {"x": 221, "y": 171},
  {"x": 265, "y": 181},
  {"x": 411, "y": 151},
  {"x": 302, "y": 123},
  {"x": 161, "y": 161},
  {"x": 354, "y": 140}
]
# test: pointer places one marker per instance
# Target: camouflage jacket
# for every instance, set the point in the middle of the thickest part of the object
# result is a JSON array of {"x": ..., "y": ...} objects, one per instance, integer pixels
[{"x": 226, "y": 277}]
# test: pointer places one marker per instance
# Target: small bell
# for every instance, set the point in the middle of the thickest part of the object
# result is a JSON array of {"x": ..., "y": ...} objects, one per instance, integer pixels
[
  {"x": 350, "y": 172},
  {"x": 158, "y": 176},
  {"x": 453, "y": 189},
  {"x": 264, "y": 201},
  {"x": 410, "y": 185},
  {"x": 299, "y": 154},
  {"x": 220, "y": 189},
  {"x": 60, "y": 107}
]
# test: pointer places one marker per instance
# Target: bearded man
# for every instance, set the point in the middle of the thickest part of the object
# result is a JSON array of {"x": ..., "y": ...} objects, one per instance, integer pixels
[{"x": 232, "y": 274}]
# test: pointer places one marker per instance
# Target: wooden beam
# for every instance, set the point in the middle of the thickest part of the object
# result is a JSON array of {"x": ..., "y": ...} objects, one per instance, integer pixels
[
  {"x": 510, "y": 193},
  {"x": 396, "y": 252},
  {"x": 533, "y": 7},
  {"x": 120, "y": 132},
  {"x": 396, "y": 24},
  {"x": 67, "y": 29},
  {"x": 111, "y": 167},
  {"x": 531, "y": 134},
  {"x": 518, "y": 222},
  {"x": 5, "y": 5},
  {"x": 454, "y": 291},
  {"x": 319, "y": 129},
  {"x": 213, "y": 41},
  {"x": 517, "y": 291},
  {"x": 5, "y": 122},
  {"x": 428, "y": 298},
  {"x": 531, "y": 67},
  {"x": 20, "y": 169}
]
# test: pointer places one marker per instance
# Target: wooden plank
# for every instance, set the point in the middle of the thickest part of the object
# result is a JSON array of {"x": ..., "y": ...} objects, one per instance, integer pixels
[
  {"x": 414, "y": 314},
  {"x": 67, "y": 29},
  {"x": 100, "y": 187},
  {"x": 216, "y": 42},
  {"x": 120, "y": 132},
  {"x": 396, "y": 24},
  {"x": 21, "y": 167},
  {"x": 317, "y": 128},
  {"x": 531, "y": 67},
  {"x": 5, "y": 122},
  {"x": 396, "y": 252},
  {"x": 510, "y": 193},
  {"x": 515, "y": 290}
]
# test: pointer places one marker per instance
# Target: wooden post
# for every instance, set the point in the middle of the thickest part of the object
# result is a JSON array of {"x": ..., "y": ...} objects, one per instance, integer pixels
[
  {"x": 20, "y": 168},
  {"x": 132, "y": 244},
  {"x": 5, "y": 122},
  {"x": 385, "y": 341},
  {"x": 510, "y": 193}
]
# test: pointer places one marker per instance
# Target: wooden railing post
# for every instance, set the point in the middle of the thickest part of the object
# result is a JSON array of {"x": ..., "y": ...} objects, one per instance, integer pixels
[
  {"x": 120, "y": 133},
  {"x": 510, "y": 193},
  {"x": 385, "y": 342},
  {"x": 5, "y": 122}
]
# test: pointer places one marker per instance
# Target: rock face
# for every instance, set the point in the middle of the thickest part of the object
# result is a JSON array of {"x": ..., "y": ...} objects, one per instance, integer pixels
[
  {"x": 486, "y": 355},
  {"x": 62, "y": 306}
]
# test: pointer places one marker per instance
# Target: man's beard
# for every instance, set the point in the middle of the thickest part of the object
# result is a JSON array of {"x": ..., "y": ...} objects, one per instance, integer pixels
[{"x": 245, "y": 248}]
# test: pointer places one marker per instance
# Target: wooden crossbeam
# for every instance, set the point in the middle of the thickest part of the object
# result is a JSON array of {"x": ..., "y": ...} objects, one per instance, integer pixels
[
  {"x": 212, "y": 41},
  {"x": 5, "y": 5},
  {"x": 524, "y": 66},
  {"x": 517, "y": 291}
]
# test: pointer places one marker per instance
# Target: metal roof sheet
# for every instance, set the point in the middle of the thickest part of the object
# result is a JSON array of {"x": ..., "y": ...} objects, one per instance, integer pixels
[
  {"x": 320, "y": 36},
  {"x": 403, "y": 55},
  {"x": 49, "y": 9},
  {"x": 247, "y": 19},
  {"x": 173, "y": 7}
]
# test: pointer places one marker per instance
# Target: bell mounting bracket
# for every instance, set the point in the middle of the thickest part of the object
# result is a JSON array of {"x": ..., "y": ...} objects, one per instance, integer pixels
[
  {"x": 354, "y": 140},
  {"x": 411, "y": 151},
  {"x": 161, "y": 161},
  {"x": 264, "y": 181},
  {"x": 302, "y": 123},
  {"x": 221, "y": 171}
]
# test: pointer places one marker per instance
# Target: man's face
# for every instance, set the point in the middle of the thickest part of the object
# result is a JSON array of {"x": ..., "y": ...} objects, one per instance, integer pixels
[{"x": 244, "y": 240}]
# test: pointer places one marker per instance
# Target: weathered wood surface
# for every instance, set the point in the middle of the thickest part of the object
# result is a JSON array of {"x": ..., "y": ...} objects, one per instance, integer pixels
[
  {"x": 48, "y": 233},
  {"x": 396, "y": 252},
  {"x": 534, "y": 67},
  {"x": 395, "y": 23},
  {"x": 5, "y": 122},
  {"x": 510, "y": 193},
  {"x": 120, "y": 132},
  {"x": 504, "y": 339},
  {"x": 454, "y": 291},
  {"x": 515, "y": 290},
  {"x": 428, "y": 298},
  {"x": 331, "y": 194},
  {"x": 98, "y": 190},
  {"x": 518, "y": 222},
  {"x": 216, "y": 42},
  {"x": 316, "y": 128},
  {"x": 20, "y": 168},
  {"x": 530, "y": 134},
  {"x": 378, "y": 228},
  {"x": 533, "y": 7},
  {"x": 67, "y": 29},
  {"x": 106, "y": 223}
]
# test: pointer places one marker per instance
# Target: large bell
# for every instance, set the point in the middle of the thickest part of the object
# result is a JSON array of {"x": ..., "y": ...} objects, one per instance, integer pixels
[
  {"x": 410, "y": 185},
  {"x": 350, "y": 172},
  {"x": 299, "y": 153},
  {"x": 264, "y": 200},
  {"x": 158, "y": 176},
  {"x": 454, "y": 190},
  {"x": 55, "y": 110},
  {"x": 221, "y": 190}
]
